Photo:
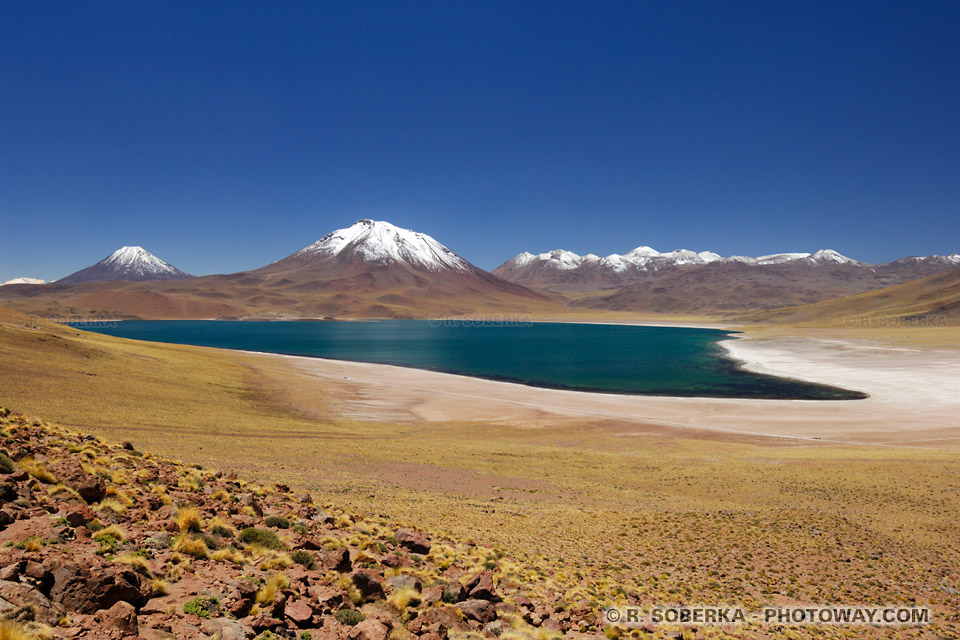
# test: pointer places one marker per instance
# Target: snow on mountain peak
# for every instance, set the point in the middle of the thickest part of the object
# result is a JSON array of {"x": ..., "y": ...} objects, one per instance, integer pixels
[
  {"x": 382, "y": 242},
  {"x": 138, "y": 261},
  {"x": 830, "y": 256}
]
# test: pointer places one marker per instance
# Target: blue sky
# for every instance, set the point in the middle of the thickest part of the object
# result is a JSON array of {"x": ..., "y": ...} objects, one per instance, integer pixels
[{"x": 222, "y": 136}]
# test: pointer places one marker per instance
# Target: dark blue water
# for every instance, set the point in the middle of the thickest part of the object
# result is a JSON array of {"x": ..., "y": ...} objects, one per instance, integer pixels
[{"x": 666, "y": 361}]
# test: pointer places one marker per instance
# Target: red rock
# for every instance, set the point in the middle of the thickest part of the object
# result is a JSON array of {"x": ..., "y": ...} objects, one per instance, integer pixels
[
  {"x": 92, "y": 489},
  {"x": 120, "y": 617},
  {"x": 338, "y": 560},
  {"x": 413, "y": 540},
  {"x": 481, "y": 587},
  {"x": 439, "y": 620},
  {"x": 480, "y": 610},
  {"x": 369, "y": 583},
  {"x": 299, "y": 611},
  {"x": 369, "y": 629},
  {"x": 327, "y": 597}
]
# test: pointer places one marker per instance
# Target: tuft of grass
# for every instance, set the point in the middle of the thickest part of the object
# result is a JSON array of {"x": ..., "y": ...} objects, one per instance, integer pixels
[
  {"x": 261, "y": 538},
  {"x": 112, "y": 504},
  {"x": 280, "y": 522},
  {"x": 6, "y": 464},
  {"x": 160, "y": 588},
  {"x": 136, "y": 561},
  {"x": 274, "y": 560},
  {"x": 347, "y": 586},
  {"x": 208, "y": 607},
  {"x": 228, "y": 554},
  {"x": 113, "y": 531},
  {"x": 349, "y": 617},
  {"x": 268, "y": 591},
  {"x": 189, "y": 519},
  {"x": 403, "y": 598},
  {"x": 38, "y": 470},
  {"x": 305, "y": 558},
  {"x": 191, "y": 546}
]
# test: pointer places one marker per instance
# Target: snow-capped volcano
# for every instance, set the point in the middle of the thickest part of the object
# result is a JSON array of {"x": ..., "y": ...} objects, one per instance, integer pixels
[
  {"x": 23, "y": 281},
  {"x": 127, "y": 263},
  {"x": 384, "y": 244},
  {"x": 376, "y": 259}
]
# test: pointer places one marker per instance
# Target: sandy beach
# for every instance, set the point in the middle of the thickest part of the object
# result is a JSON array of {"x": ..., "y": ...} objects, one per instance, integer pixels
[{"x": 914, "y": 396}]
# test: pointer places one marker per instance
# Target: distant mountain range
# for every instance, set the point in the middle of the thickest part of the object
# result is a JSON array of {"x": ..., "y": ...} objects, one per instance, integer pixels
[
  {"x": 561, "y": 267},
  {"x": 375, "y": 269}
]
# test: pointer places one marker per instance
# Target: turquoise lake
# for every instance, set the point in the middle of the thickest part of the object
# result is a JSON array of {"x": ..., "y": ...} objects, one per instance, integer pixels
[{"x": 668, "y": 361}]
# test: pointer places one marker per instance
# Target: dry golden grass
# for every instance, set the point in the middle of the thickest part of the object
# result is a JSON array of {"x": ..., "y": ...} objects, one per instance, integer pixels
[{"x": 573, "y": 507}]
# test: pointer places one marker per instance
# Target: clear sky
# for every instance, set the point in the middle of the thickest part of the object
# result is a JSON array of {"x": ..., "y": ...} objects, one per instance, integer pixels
[{"x": 222, "y": 136}]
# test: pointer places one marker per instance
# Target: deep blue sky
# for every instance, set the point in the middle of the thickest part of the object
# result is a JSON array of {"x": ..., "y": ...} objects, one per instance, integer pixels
[{"x": 224, "y": 136}]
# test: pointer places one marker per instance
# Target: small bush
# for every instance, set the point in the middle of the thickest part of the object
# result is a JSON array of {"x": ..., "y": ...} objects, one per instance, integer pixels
[
  {"x": 261, "y": 537},
  {"x": 349, "y": 617},
  {"x": 280, "y": 522},
  {"x": 203, "y": 607},
  {"x": 189, "y": 519},
  {"x": 268, "y": 592},
  {"x": 6, "y": 464},
  {"x": 305, "y": 558},
  {"x": 195, "y": 547}
]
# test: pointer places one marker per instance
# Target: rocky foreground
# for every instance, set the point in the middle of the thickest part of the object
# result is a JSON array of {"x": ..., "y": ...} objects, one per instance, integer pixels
[{"x": 98, "y": 540}]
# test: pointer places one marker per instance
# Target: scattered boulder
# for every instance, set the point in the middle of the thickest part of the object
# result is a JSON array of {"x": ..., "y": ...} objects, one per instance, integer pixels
[
  {"x": 370, "y": 629},
  {"x": 413, "y": 540},
  {"x": 480, "y": 610},
  {"x": 481, "y": 587},
  {"x": 92, "y": 489},
  {"x": 121, "y": 617},
  {"x": 299, "y": 611},
  {"x": 226, "y": 629},
  {"x": 369, "y": 584},
  {"x": 250, "y": 500},
  {"x": 14, "y": 596}
]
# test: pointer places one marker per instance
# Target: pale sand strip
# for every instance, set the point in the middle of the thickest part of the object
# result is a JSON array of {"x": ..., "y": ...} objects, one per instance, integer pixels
[{"x": 915, "y": 396}]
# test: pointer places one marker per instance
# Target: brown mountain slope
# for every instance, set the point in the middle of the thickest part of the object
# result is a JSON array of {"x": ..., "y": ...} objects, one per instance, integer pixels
[
  {"x": 730, "y": 288},
  {"x": 931, "y": 301}
]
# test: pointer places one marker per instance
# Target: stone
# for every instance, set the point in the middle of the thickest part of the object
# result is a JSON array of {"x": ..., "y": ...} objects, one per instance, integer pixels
[
  {"x": 226, "y": 629},
  {"x": 369, "y": 583},
  {"x": 403, "y": 581},
  {"x": 92, "y": 489},
  {"x": 120, "y": 617},
  {"x": 480, "y": 610},
  {"x": 338, "y": 560},
  {"x": 250, "y": 500},
  {"x": 481, "y": 587},
  {"x": 438, "y": 620},
  {"x": 413, "y": 540},
  {"x": 369, "y": 629},
  {"x": 299, "y": 611},
  {"x": 18, "y": 596}
]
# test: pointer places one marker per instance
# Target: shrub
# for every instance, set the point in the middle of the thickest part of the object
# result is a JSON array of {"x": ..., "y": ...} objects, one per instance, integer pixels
[
  {"x": 6, "y": 464},
  {"x": 203, "y": 607},
  {"x": 349, "y": 617},
  {"x": 261, "y": 537},
  {"x": 280, "y": 522},
  {"x": 195, "y": 547},
  {"x": 305, "y": 558},
  {"x": 403, "y": 598},
  {"x": 276, "y": 582},
  {"x": 189, "y": 519}
]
